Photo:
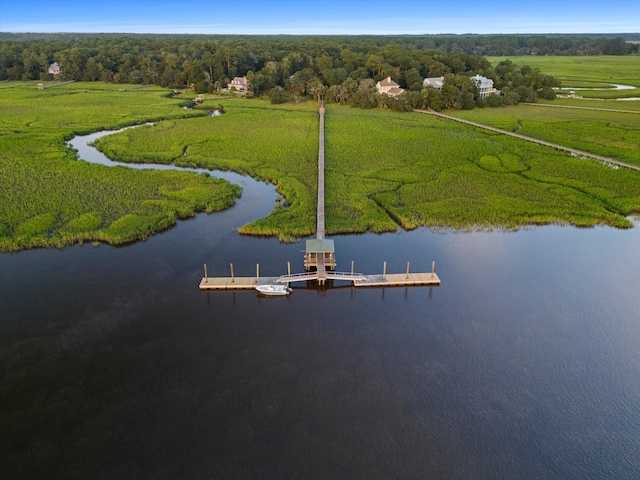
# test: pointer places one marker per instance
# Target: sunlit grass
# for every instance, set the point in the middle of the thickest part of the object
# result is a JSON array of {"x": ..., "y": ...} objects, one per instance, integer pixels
[
  {"x": 387, "y": 170},
  {"x": 48, "y": 198},
  {"x": 609, "y": 134}
]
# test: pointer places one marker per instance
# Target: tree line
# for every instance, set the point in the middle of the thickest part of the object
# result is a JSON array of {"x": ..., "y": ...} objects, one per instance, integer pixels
[{"x": 341, "y": 69}]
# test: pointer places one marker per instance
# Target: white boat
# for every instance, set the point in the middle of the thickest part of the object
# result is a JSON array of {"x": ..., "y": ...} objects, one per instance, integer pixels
[{"x": 273, "y": 289}]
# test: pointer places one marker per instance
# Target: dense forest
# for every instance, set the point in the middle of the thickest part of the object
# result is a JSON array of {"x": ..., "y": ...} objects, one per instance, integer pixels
[{"x": 343, "y": 69}]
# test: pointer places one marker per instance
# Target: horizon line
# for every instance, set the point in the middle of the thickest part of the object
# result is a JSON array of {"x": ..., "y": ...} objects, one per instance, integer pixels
[{"x": 314, "y": 34}]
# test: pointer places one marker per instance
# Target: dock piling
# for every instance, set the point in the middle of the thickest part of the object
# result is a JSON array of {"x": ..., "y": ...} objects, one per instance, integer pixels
[
  {"x": 206, "y": 277},
  {"x": 233, "y": 278},
  {"x": 433, "y": 268},
  {"x": 289, "y": 268},
  {"x": 384, "y": 270},
  {"x": 352, "y": 264},
  {"x": 257, "y": 272},
  {"x": 407, "y": 270}
]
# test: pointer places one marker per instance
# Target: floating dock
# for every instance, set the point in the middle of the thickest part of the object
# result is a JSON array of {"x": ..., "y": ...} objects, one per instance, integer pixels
[
  {"x": 398, "y": 280},
  {"x": 357, "y": 280},
  {"x": 237, "y": 283}
]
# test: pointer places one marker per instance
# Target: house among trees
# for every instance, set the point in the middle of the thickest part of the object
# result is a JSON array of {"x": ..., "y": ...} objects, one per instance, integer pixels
[
  {"x": 238, "y": 84},
  {"x": 389, "y": 87},
  {"x": 434, "y": 82},
  {"x": 485, "y": 85},
  {"x": 54, "y": 69}
]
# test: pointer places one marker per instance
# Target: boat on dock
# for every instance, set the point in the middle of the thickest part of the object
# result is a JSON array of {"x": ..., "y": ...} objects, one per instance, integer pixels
[{"x": 273, "y": 290}]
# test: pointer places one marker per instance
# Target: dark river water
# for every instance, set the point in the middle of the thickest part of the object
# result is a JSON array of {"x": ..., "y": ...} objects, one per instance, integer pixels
[{"x": 523, "y": 364}]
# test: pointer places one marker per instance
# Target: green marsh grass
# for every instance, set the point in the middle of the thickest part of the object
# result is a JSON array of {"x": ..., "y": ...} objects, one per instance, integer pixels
[
  {"x": 276, "y": 144},
  {"x": 48, "y": 198},
  {"x": 386, "y": 170},
  {"x": 587, "y": 72},
  {"x": 613, "y": 104},
  {"x": 610, "y": 134},
  {"x": 583, "y": 70}
]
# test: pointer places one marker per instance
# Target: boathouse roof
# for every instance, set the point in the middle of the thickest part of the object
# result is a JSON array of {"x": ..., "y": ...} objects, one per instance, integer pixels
[{"x": 320, "y": 245}]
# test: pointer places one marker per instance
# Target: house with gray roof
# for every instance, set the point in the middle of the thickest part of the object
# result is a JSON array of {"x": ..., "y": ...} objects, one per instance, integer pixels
[
  {"x": 239, "y": 84},
  {"x": 433, "y": 82},
  {"x": 54, "y": 69},
  {"x": 389, "y": 87},
  {"x": 485, "y": 85}
]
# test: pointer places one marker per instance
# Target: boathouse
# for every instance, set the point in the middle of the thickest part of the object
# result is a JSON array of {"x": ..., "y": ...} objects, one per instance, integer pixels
[{"x": 320, "y": 251}]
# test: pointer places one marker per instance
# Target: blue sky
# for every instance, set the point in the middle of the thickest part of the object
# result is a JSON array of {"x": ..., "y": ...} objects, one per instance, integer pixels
[{"x": 321, "y": 17}]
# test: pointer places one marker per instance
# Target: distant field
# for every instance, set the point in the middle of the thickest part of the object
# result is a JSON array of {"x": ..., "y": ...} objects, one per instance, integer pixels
[
  {"x": 610, "y": 134},
  {"x": 591, "y": 71}
]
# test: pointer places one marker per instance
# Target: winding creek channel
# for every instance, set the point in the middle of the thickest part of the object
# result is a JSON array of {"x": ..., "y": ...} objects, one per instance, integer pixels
[{"x": 524, "y": 363}]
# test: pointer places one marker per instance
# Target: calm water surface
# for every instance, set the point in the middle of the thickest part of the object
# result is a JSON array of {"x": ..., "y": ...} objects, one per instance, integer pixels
[{"x": 524, "y": 363}]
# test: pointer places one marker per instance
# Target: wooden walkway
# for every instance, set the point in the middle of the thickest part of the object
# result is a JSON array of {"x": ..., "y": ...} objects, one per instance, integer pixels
[
  {"x": 572, "y": 151},
  {"x": 320, "y": 210},
  {"x": 321, "y": 274},
  {"x": 575, "y": 107},
  {"x": 43, "y": 86}
]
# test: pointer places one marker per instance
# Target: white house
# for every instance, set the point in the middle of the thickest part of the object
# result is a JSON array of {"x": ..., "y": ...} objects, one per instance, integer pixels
[
  {"x": 434, "y": 82},
  {"x": 389, "y": 87},
  {"x": 54, "y": 68},
  {"x": 485, "y": 85},
  {"x": 239, "y": 84}
]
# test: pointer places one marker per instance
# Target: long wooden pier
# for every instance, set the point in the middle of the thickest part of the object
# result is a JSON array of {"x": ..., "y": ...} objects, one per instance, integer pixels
[
  {"x": 356, "y": 279},
  {"x": 320, "y": 209},
  {"x": 320, "y": 255}
]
